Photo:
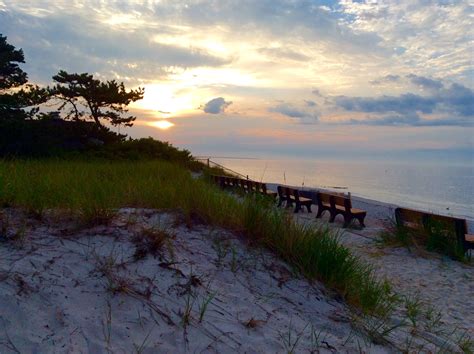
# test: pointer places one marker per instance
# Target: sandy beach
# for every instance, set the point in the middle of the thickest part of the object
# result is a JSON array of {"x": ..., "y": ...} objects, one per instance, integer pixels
[
  {"x": 139, "y": 141},
  {"x": 65, "y": 288},
  {"x": 432, "y": 280}
]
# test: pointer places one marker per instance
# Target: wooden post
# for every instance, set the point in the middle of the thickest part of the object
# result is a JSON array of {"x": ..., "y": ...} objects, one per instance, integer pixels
[{"x": 208, "y": 163}]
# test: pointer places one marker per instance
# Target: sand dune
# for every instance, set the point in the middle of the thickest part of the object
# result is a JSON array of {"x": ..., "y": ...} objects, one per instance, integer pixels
[{"x": 89, "y": 290}]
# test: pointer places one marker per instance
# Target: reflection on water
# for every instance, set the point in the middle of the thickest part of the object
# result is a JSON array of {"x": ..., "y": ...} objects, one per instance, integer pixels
[
  {"x": 162, "y": 124},
  {"x": 446, "y": 189}
]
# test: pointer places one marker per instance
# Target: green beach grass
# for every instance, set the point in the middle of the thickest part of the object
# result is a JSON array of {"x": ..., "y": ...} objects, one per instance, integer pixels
[
  {"x": 94, "y": 189},
  {"x": 434, "y": 238}
]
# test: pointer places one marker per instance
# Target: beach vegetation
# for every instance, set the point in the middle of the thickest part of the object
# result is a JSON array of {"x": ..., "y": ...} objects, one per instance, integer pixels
[
  {"x": 139, "y": 348},
  {"x": 318, "y": 339},
  {"x": 107, "y": 326},
  {"x": 291, "y": 338},
  {"x": 234, "y": 263},
  {"x": 204, "y": 305},
  {"x": 187, "y": 310},
  {"x": 413, "y": 309},
  {"x": 432, "y": 237},
  {"x": 151, "y": 241},
  {"x": 99, "y": 187}
]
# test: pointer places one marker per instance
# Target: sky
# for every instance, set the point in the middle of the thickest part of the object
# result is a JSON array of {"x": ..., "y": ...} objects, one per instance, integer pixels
[{"x": 268, "y": 78}]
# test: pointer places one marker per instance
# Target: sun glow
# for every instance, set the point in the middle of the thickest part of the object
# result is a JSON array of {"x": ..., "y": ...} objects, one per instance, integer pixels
[
  {"x": 162, "y": 124},
  {"x": 165, "y": 100}
]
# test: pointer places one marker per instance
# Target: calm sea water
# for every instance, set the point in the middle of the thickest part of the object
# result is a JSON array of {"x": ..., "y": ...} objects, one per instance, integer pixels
[{"x": 439, "y": 188}]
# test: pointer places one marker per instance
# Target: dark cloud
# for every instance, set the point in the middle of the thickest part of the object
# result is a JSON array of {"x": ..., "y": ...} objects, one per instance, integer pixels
[
  {"x": 420, "y": 81},
  {"x": 216, "y": 105},
  {"x": 458, "y": 99},
  {"x": 454, "y": 104},
  {"x": 310, "y": 103},
  {"x": 316, "y": 92},
  {"x": 386, "y": 79},
  {"x": 302, "y": 114},
  {"x": 393, "y": 119},
  {"x": 405, "y": 103},
  {"x": 411, "y": 119},
  {"x": 425, "y": 82}
]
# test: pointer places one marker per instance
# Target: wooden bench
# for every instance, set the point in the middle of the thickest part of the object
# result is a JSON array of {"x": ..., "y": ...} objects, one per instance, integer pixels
[
  {"x": 229, "y": 182},
  {"x": 324, "y": 203},
  {"x": 266, "y": 192},
  {"x": 245, "y": 185},
  {"x": 338, "y": 204},
  {"x": 261, "y": 188},
  {"x": 225, "y": 182},
  {"x": 290, "y": 196},
  {"x": 282, "y": 197},
  {"x": 343, "y": 205},
  {"x": 426, "y": 222},
  {"x": 219, "y": 180},
  {"x": 301, "y": 201},
  {"x": 250, "y": 186}
]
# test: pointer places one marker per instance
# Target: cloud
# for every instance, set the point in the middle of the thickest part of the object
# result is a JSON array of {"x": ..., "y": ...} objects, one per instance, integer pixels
[
  {"x": 281, "y": 53},
  {"x": 405, "y": 103},
  {"x": 216, "y": 105},
  {"x": 458, "y": 99},
  {"x": 447, "y": 106},
  {"x": 432, "y": 37},
  {"x": 395, "y": 119},
  {"x": 419, "y": 81},
  {"x": 304, "y": 115},
  {"x": 411, "y": 119},
  {"x": 81, "y": 42},
  {"x": 316, "y": 92},
  {"x": 425, "y": 82},
  {"x": 386, "y": 79}
]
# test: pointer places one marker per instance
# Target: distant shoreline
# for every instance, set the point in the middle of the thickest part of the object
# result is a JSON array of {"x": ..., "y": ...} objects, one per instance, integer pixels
[
  {"x": 438, "y": 189},
  {"x": 377, "y": 210}
]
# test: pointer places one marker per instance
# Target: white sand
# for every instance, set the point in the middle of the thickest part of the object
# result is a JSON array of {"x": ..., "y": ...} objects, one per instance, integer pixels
[
  {"x": 81, "y": 291},
  {"x": 439, "y": 283},
  {"x": 55, "y": 292}
]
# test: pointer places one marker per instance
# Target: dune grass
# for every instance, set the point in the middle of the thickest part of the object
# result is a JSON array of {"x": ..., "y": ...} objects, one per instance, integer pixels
[
  {"x": 434, "y": 237},
  {"x": 94, "y": 189}
]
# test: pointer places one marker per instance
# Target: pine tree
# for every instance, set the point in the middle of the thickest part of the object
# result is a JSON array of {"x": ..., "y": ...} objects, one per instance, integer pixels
[{"x": 86, "y": 98}]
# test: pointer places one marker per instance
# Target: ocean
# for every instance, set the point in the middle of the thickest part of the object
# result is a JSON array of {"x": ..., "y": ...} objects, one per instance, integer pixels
[{"x": 435, "y": 187}]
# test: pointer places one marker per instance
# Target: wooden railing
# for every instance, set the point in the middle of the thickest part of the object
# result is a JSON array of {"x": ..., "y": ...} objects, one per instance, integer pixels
[{"x": 211, "y": 163}]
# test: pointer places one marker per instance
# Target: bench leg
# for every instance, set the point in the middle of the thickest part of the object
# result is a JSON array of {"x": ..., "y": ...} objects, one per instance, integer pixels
[
  {"x": 308, "y": 206},
  {"x": 333, "y": 216},
  {"x": 347, "y": 221},
  {"x": 319, "y": 213},
  {"x": 361, "y": 221},
  {"x": 297, "y": 207}
]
